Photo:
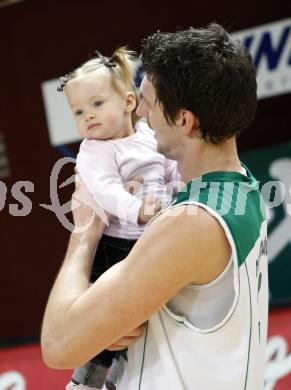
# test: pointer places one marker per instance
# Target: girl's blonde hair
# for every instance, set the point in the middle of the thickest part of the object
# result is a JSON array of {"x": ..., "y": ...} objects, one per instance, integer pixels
[{"x": 122, "y": 66}]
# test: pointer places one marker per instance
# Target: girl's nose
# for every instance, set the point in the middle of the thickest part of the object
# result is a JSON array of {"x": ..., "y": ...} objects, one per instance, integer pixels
[{"x": 90, "y": 116}]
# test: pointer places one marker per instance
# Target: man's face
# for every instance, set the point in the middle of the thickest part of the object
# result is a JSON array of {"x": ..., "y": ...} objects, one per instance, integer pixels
[{"x": 149, "y": 107}]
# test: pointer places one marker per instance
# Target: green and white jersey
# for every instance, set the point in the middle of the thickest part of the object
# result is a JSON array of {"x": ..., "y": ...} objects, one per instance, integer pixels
[{"x": 212, "y": 337}]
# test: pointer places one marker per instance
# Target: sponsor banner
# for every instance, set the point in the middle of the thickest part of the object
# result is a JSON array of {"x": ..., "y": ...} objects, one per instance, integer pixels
[
  {"x": 22, "y": 368},
  {"x": 60, "y": 121},
  {"x": 270, "y": 47},
  {"x": 272, "y": 167}
]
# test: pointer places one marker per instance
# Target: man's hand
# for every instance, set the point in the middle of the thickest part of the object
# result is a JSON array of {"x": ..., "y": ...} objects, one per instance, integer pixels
[{"x": 127, "y": 340}]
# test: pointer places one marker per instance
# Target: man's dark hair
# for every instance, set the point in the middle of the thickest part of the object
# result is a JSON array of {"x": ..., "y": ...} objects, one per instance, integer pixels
[{"x": 206, "y": 72}]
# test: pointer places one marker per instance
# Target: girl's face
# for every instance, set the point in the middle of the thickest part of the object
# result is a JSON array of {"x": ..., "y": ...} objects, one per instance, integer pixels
[{"x": 99, "y": 110}]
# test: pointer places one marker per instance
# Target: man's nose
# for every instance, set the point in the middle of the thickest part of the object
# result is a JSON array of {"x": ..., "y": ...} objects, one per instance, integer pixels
[
  {"x": 89, "y": 116},
  {"x": 141, "y": 111}
]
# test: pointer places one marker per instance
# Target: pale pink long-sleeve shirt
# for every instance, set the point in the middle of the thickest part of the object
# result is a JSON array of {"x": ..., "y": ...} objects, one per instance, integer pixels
[{"x": 104, "y": 167}]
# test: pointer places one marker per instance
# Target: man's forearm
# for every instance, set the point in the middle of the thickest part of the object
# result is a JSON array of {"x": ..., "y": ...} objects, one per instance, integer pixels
[{"x": 71, "y": 283}]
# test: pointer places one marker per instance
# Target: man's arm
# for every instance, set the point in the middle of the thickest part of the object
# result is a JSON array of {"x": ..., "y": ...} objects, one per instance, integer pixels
[{"x": 175, "y": 250}]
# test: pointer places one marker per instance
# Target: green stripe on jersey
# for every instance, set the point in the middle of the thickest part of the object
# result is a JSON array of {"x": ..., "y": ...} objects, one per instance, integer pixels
[{"x": 236, "y": 198}]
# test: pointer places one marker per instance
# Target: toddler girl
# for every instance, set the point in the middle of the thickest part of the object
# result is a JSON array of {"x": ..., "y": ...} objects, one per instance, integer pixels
[{"x": 116, "y": 148}]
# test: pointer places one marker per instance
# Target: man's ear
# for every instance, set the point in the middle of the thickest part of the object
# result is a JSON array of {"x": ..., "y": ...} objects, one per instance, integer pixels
[
  {"x": 188, "y": 121},
  {"x": 130, "y": 103}
]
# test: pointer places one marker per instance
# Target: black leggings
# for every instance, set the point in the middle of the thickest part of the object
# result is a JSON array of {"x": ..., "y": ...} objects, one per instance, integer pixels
[{"x": 110, "y": 251}]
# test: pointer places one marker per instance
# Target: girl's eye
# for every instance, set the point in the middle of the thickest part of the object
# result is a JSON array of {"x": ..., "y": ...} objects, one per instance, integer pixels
[
  {"x": 78, "y": 112},
  {"x": 97, "y": 103}
]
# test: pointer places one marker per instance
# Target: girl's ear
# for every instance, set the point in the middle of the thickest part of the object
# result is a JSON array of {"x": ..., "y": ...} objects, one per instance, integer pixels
[{"x": 130, "y": 104}]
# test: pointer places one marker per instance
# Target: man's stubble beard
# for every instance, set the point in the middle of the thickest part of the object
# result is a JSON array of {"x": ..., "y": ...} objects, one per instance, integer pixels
[{"x": 165, "y": 151}]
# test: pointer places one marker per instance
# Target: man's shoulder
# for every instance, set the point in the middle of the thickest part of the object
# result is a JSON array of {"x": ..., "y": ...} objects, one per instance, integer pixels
[
  {"x": 193, "y": 235},
  {"x": 185, "y": 215}
]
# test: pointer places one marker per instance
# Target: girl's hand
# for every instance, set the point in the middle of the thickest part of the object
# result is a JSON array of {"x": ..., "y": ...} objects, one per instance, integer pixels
[{"x": 149, "y": 208}]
